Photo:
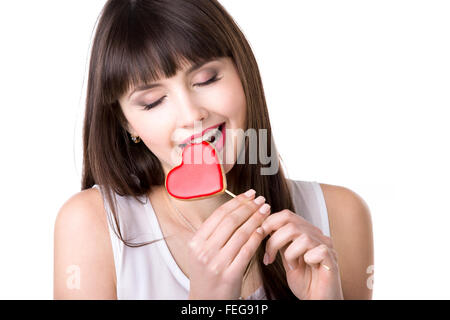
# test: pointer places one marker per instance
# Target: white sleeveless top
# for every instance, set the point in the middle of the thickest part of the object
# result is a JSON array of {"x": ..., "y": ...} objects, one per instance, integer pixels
[{"x": 150, "y": 272}]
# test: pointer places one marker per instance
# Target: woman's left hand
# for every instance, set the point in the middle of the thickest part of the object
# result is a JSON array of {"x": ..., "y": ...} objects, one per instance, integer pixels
[{"x": 309, "y": 252}]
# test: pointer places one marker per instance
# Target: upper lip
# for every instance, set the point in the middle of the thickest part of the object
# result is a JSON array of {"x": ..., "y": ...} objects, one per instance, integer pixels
[{"x": 200, "y": 134}]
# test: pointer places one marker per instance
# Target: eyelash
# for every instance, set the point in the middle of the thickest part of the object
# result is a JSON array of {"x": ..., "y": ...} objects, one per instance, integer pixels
[{"x": 152, "y": 105}]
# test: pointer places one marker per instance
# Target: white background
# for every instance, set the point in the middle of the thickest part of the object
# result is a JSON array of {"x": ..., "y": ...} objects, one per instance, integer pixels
[{"x": 358, "y": 94}]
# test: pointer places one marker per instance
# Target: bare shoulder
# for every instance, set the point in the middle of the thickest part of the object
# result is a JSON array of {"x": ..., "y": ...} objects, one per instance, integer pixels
[
  {"x": 83, "y": 207},
  {"x": 352, "y": 236},
  {"x": 83, "y": 258}
]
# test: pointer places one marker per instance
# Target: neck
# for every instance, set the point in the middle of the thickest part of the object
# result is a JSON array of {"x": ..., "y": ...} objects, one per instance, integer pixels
[{"x": 197, "y": 211}]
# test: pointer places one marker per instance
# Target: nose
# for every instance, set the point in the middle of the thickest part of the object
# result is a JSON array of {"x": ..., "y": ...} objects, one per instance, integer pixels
[{"x": 189, "y": 112}]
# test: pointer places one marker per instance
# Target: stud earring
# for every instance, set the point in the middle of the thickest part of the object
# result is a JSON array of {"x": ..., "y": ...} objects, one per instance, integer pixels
[{"x": 135, "y": 139}]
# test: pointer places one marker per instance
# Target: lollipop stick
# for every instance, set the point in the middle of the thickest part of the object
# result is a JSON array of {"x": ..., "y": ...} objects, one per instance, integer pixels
[{"x": 231, "y": 194}]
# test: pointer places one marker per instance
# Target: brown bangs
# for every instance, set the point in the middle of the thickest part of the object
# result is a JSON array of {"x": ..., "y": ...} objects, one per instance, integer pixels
[{"x": 149, "y": 46}]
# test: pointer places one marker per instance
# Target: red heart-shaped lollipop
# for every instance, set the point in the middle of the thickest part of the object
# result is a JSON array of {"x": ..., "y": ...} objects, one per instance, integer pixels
[{"x": 200, "y": 174}]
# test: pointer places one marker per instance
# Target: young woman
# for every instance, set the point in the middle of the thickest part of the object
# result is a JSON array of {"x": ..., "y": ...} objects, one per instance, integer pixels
[{"x": 158, "y": 68}]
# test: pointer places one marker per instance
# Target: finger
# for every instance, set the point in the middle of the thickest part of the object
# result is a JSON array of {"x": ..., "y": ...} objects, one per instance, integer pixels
[
  {"x": 210, "y": 224},
  {"x": 245, "y": 254},
  {"x": 281, "y": 238},
  {"x": 281, "y": 218},
  {"x": 321, "y": 255},
  {"x": 295, "y": 251},
  {"x": 229, "y": 225},
  {"x": 232, "y": 247}
]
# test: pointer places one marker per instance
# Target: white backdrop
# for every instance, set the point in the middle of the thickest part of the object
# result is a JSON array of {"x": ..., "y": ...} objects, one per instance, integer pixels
[{"x": 358, "y": 94}]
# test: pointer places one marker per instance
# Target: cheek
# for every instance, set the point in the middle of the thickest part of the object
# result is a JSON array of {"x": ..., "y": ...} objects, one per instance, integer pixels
[
  {"x": 152, "y": 127},
  {"x": 232, "y": 105},
  {"x": 157, "y": 132}
]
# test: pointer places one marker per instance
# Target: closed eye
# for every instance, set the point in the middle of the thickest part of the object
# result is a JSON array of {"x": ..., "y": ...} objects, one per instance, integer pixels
[
  {"x": 213, "y": 79},
  {"x": 154, "y": 104}
]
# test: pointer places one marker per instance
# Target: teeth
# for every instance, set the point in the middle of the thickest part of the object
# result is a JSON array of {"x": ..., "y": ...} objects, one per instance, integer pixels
[
  {"x": 207, "y": 137},
  {"x": 216, "y": 136}
]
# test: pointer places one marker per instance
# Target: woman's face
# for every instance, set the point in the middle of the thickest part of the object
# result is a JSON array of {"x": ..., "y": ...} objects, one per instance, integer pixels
[{"x": 185, "y": 105}]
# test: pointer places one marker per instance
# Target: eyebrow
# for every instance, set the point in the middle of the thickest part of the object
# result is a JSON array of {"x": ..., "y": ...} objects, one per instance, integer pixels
[{"x": 154, "y": 85}]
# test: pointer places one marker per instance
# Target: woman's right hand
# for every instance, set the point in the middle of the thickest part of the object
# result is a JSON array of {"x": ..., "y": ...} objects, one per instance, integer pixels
[{"x": 222, "y": 248}]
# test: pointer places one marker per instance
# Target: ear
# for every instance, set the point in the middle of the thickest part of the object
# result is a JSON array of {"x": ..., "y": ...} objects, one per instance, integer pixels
[
  {"x": 124, "y": 122},
  {"x": 127, "y": 127},
  {"x": 131, "y": 131}
]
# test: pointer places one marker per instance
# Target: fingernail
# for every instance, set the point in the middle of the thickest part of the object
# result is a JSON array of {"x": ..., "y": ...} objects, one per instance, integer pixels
[
  {"x": 260, "y": 230},
  {"x": 264, "y": 209},
  {"x": 266, "y": 259},
  {"x": 250, "y": 193},
  {"x": 259, "y": 200},
  {"x": 290, "y": 267}
]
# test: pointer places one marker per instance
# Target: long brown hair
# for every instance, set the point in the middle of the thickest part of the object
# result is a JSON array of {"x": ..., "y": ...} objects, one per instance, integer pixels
[{"x": 140, "y": 41}]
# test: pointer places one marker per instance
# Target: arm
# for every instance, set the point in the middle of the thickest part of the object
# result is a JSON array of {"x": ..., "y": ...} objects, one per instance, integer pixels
[
  {"x": 83, "y": 258},
  {"x": 352, "y": 237}
]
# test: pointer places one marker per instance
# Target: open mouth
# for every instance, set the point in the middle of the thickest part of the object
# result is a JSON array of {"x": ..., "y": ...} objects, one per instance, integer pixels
[{"x": 212, "y": 136}]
